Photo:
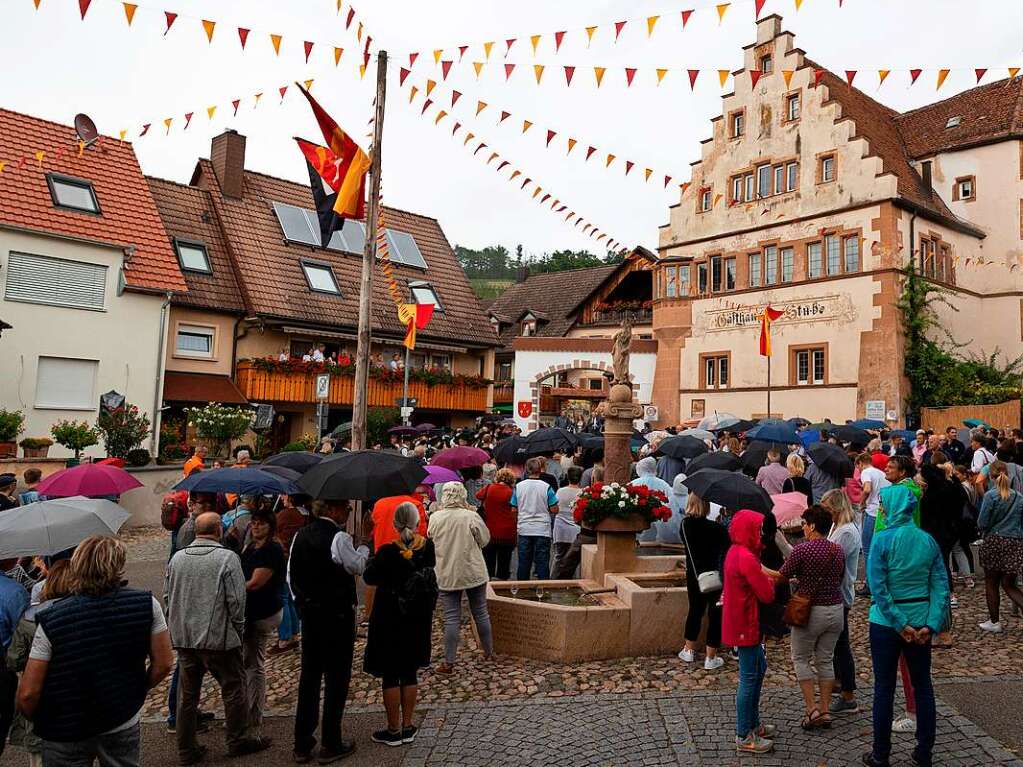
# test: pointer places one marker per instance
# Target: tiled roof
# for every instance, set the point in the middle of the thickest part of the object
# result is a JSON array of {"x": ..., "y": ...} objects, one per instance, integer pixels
[
  {"x": 187, "y": 214},
  {"x": 988, "y": 113},
  {"x": 273, "y": 284},
  {"x": 556, "y": 294},
  {"x": 128, "y": 214}
]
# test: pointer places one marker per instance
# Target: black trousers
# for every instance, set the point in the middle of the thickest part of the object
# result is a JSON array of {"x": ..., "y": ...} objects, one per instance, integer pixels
[
  {"x": 698, "y": 604},
  {"x": 498, "y": 559},
  {"x": 565, "y": 567},
  {"x": 328, "y": 644},
  {"x": 845, "y": 665},
  {"x": 8, "y": 687}
]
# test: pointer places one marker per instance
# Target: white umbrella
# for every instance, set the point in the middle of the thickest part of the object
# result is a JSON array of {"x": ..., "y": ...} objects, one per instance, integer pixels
[
  {"x": 698, "y": 433},
  {"x": 717, "y": 420},
  {"x": 49, "y": 527}
]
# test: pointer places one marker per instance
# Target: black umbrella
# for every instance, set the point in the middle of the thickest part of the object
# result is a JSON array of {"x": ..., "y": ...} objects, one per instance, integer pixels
[
  {"x": 797, "y": 422},
  {"x": 548, "y": 440},
  {"x": 299, "y": 461},
  {"x": 510, "y": 450},
  {"x": 822, "y": 426},
  {"x": 362, "y": 475},
  {"x": 282, "y": 471},
  {"x": 729, "y": 489},
  {"x": 682, "y": 447},
  {"x": 738, "y": 427},
  {"x": 850, "y": 434},
  {"x": 755, "y": 455},
  {"x": 590, "y": 441},
  {"x": 720, "y": 460},
  {"x": 831, "y": 459}
]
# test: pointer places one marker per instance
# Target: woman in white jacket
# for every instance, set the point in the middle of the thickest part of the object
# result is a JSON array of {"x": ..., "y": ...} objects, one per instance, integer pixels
[{"x": 459, "y": 535}]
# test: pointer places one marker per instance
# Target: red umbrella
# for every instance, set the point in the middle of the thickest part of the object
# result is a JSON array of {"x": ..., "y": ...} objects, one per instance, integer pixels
[
  {"x": 460, "y": 457},
  {"x": 89, "y": 479}
]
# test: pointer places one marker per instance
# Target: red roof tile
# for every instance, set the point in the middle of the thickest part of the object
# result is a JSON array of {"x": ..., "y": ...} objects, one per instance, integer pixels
[{"x": 128, "y": 214}]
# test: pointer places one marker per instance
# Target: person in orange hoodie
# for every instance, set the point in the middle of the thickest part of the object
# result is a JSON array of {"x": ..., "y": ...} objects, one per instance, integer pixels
[
  {"x": 746, "y": 586},
  {"x": 197, "y": 461}
]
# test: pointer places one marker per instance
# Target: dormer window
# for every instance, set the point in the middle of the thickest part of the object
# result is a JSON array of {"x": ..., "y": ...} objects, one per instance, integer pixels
[
  {"x": 193, "y": 256},
  {"x": 529, "y": 325},
  {"x": 72, "y": 193}
]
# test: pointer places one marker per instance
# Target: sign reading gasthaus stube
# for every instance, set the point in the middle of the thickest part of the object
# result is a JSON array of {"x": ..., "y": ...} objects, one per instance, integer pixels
[{"x": 800, "y": 310}]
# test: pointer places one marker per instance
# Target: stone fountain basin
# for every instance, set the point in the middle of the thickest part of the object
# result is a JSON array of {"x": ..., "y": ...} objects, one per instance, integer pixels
[
  {"x": 555, "y": 632},
  {"x": 650, "y": 558},
  {"x": 658, "y": 604}
]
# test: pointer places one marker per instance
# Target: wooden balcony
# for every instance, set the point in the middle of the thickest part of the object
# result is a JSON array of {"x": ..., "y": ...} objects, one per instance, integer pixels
[
  {"x": 264, "y": 386},
  {"x": 611, "y": 317},
  {"x": 503, "y": 393}
]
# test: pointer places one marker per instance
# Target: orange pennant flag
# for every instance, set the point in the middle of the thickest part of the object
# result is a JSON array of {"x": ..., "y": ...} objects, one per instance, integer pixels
[
  {"x": 660, "y": 75},
  {"x": 798, "y": 3},
  {"x": 537, "y": 192},
  {"x": 412, "y": 94},
  {"x": 337, "y": 55},
  {"x": 942, "y": 74},
  {"x": 256, "y": 98},
  {"x": 610, "y": 159},
  {"x": 440, "y": 116},
  {"x": 276, "y": 40},
  {"x": 723, "y": 76},
  {"x": 717, "y": 198},
  {"x": 122, "y": 133},
  {"x": 487, "y": 47},
  {"x": 722, "y": 8},
  {"x": 571, "y": 145},
  {"x": 514, "y": 174},
  {"x": 599, "y": 73},
  {"x": 647, "y": 173},
  {"x": 362, "y": 71},
  {"x": 480, "y": 106},
  {"x": 39, "y": 157},
  {"x": 526, "y": 125},
  {"x": 535, "y": 40},
  {"x": 167, "y": 123},
  {"x": 589, "y": 35},
  {"x": 651, "y": 22},
  {"x": 882, "y": 74},
  {"x": 478, "y": 66},
  {"x": 129, "y": 11},
  {"x": 1013, "y": 71},
  {"x": 787, "y": 76},
  {"x": 436, "y": 56},
  {"x": 210, "y": 111},
  {"x": 538, "y": 71},
  {"x": 209, "y": 26},
  {"x": 430, "y": 85},
  {"x": 469, "y": 137}
]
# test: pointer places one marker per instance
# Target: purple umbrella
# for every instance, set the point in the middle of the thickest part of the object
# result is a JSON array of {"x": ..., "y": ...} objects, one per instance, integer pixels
[
  {"x": 461, "y": 457},
  {"x": 403, "y": 430},
  {"x": 437, "y": 474},
  {"x": 88, "y": 479},
  {"x": 426, "y": 427}
]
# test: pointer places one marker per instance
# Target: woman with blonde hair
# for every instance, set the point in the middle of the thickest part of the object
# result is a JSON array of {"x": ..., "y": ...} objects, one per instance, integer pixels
[
  {"x": 846, "y": 534},
  {"x": 797, "y": 483},
  {"x": 1001, "y": 553},
  {"x": 706, "y": 543}
]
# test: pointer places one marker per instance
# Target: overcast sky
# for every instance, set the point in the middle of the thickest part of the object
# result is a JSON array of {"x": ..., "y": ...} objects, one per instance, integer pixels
[{"x": 56, "y": 65}]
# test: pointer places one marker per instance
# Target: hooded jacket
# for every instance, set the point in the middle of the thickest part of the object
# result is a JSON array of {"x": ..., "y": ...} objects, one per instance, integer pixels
[
  {"x": 905, "y": 572},
  {"x": 745, "y": 583}
]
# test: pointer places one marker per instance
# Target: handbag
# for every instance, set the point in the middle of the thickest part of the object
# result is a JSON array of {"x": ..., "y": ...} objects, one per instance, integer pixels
[
  {"x": 797, "y": 611},
  {"x": 708, "y": 581}
]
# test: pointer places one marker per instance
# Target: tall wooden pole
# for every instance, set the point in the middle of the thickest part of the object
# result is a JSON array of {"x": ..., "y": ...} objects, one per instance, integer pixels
[{"x": 368, "y": 257}]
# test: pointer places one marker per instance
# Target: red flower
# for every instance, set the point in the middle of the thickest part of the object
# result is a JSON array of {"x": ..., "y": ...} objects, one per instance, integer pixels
[
  {"x": 641, "y": 502},
  {"x": 596, "y": 487}
]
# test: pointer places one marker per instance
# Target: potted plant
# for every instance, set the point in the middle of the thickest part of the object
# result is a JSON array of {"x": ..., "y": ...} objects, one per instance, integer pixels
[
  {"x": 36, "y": 447},
  {"x": 12, "y": 423},
  {"x": 219, "y": 424},
  {"x": 123, "y": 430},
  {"x": 618, "y": 508},
  {"x": 76, "y": 436}
]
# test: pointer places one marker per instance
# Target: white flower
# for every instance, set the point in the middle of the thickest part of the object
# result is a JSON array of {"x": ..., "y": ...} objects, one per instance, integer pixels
[
  {"x": 621, "y": 504},
  {"x": 615, "y": 485}
]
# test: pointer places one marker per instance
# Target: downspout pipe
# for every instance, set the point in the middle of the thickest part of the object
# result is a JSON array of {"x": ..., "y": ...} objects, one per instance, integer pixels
[{"x": 158, "y": 385}]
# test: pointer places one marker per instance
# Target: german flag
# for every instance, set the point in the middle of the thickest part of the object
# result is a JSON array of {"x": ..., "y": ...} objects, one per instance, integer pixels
[{"x": 769, "y": 315}]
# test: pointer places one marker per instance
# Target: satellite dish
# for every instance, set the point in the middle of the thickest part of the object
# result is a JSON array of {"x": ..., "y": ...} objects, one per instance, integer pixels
[{"x": 86, "y": 129}]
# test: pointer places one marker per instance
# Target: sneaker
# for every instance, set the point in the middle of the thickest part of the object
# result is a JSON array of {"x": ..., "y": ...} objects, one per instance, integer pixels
[
  {"x": 250, "y": 746},
  {"x": 767, "y": 731},
  {"x": 843, "y": 706},
  {"x": 387, "y": 737},
  {"x": 408, "y": 734},
  {"x": 172, "y": 727},
  {"x": 687, "y": 655},
  {"x": 716, "y": 662},
  {"x": 733, "y": 653},
  {"x": 870, "y": 761},
  {"x": 327, "y": 756},
  {"x": 992, "y": 627},
  {"x": 953, "y": 601},
  {"x": 906, "y": 724},
  {"x": 753, "y": 744}
]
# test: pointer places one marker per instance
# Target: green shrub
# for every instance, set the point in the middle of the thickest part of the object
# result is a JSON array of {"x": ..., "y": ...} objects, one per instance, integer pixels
[
  {"x": 34, "y": 443},
  {"x": 12, "y": 423},
  {"x": 75, "y": 435},
  {"x": 123, "y": 430},
  {"x": 294, "y": 447},
  {"x": 138, "y": 457}
]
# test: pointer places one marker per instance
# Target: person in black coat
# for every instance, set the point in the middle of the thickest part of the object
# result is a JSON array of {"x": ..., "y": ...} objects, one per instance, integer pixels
[
  {"x": 706, "y": 543},
  {"x": 941, "y": 511},
  {"x": 398, "y": 642}
]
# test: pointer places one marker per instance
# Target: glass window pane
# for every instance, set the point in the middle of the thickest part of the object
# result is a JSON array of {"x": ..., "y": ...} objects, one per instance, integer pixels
[
  {"x": 715, "y": 273},
  {"x": 195, "y": 341},
  {"x": 827, "y": 168},
  {"x": 771, "y": 264},
  {"x": 193, "y": 257},
  {"x": 683, "y": 280},
  {"x": 802, "y": 366},
  {"x": 320, "y": 278},
  {"x": 723, "y": 371},
  {"x": 852, "y": 254},
  {"x": 425, "y": 294},
  {"x": 793, "y": 171},
  {"x": 710, "y": 368},
  {"x": 779, "y": 179},
  {"x": 754, "y": 270},
  {"x": 749, "y": 186},
  {"x": 831, "y": 248},
  {"x": 813, "y": 257},
  {"x": 730, "y": 274},
  {"x": 74, "y": 195},
  {"x": 764, "y": 180},
  {"x": 737, "y": 188},
  {"x": 818, "y": 366},
  {"x": 787, "y": 258},
  {"x": 701, "y": 277},
  {"x": 671, "y": 277}
]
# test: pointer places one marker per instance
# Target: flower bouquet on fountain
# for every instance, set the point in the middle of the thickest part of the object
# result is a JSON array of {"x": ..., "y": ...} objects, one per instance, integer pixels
[{"x": 613, "y": 507}]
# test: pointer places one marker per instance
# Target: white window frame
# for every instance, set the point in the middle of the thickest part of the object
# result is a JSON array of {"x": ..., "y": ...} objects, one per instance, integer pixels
[
  {"x": 415, "y": 285},
  {"x": 88, "y": 403},
  {"x": 737, "y": 184},
  {"x": 787, "y": 254},
  {"x": 706, "y": 200},
  {"x": 195, "y": 246},
  {"x": 756, "y": 276},
  {"x": 791, "y": 176},
  {"x": 307, "y": 265},
  {"x": 760, "y": 180},
  {"x": 827, "y": 169},
  {"x": 197, "y": 330},
  {"x": 966, "y": 184},
  {"x": 738, "y": 124},
  {"x": 809, "y": 260},
  {"x": 750, "y": 183}
]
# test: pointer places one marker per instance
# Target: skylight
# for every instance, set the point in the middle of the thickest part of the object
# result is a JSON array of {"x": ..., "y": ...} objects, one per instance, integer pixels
[
  {"x": 72, "y": 193},
  {"x": 320, "y": 278},
  {"x": 193, "y": 256},
  {"x": 954, "y": 122}
]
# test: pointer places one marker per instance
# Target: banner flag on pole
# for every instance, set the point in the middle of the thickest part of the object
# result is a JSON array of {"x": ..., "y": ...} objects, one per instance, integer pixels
[{"x": 768, "y": 316}]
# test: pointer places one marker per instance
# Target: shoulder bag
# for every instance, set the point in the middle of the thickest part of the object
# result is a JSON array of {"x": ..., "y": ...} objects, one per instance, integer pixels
[
  {"x": 708, "y": 581},
  {"x": 797, "y": 611}
]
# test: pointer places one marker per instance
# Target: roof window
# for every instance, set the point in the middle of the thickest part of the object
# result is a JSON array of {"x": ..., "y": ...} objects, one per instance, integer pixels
[
  {"x": 954, "y": 122},
  {"x": 72, "y": 193}
]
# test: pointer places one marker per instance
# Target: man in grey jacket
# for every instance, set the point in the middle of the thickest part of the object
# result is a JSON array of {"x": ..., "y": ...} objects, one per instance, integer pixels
[{"x": 206, "y": 616}]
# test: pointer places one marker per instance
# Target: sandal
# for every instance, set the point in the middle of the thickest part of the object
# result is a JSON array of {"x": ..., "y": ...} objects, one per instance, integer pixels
[
  {"x": 813, "y": 721},
  {"x": 445, "y": 668},
  {"x": 825, "y": 721}
]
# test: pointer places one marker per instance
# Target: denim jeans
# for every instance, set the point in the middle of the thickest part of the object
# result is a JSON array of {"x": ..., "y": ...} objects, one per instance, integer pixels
[
  {"x": 752, "y": 668},
  {"x": 534, "y": 554},
  {"x": 115, "y": 749},
  {"x": 886, "y": 648},
  {"x": 451, "y": 601},
  {"x": 290, "y": 624},
  {"x": 866, "y": 536}
]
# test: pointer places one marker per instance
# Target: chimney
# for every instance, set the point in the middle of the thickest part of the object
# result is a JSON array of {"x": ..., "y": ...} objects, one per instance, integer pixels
[
  {"x": 925, "y": 171},
  {"x": 228, "y": 157}
]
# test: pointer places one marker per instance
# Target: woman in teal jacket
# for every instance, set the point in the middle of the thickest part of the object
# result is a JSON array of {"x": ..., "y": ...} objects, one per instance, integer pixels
[{"x": 910, "y": 600}]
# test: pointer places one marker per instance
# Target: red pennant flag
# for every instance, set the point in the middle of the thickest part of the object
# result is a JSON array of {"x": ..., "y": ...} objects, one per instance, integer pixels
[
  {"x": 243, "y": 36},
  {"x": 685, "y": 18},
  {"x": 544, "y": 199},
  {"x": 502, "y": 165},
  {"x": 445, "y": 67},
  {"x": 508, "y": 69},
  {"x": 759, "y": 6},
  {"x": 818, "y": 74},
  {"x": 83, "y": 7},
  {"x": 282, "y": 90},
  {"x": 754, "y": 76},
  {"x": 235, "y": 104},
  {"x": 769, "y": 315},
  {"x": 693, "y": 74},
  {"x": 145, "y": 130},
  {"x": 461, "y": 51},
  {"x": 455, "y": 96},
  {"x": 667, "y": 180},
  {"x": 913, "y": 74},
  {"x": 629, "y": 74},
  {"x": 426, "y": 105},
  {"x": 509, "y": 42},
  {"x": 850, "y": 75},
  {"x": 188, "y": 119},
  {"x": 569, "y": 74},
  {"x": 171, "y": 18},
  {"x": 590, "y": 151},
  {"x": 619, "y": 25},
  {"x": 558, "y": 37},
  {"x": 412, "y": 59},
  {"x": 308, "y": 50},
  {"x": 550, "y": 136},
  {"x": 980, "y": 73},
  {"x": 504, "y": 116},
  {"x": 403, "y": 76},
  {"x": 351, "y": 15},
  {"x": 481, "y": 146},
  {"x": 628, "y": 166}
]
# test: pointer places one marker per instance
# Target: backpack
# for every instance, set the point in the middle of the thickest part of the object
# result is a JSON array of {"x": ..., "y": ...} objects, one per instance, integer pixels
[
  {"x": 417, "y": 596},
  {"x": 174, "y": 510}
]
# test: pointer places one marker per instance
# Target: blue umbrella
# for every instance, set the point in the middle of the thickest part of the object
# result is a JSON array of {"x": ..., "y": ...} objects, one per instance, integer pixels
[
  {"x": 248, "y": 481},
  {"x": 868, "y": 423},
  {"x": 976, "y": 423},
  {"x": 809, "y": 437},
  {"x": 906, "y": 434},
  {"x": 774, "y": 432}
]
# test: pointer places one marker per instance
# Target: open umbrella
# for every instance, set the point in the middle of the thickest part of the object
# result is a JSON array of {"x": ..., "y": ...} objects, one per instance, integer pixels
[
  {"x": 88, "y": 479},
  {"x": 299, "y": 461},
  {"x": 403, "y": 431},
  {"x": 976, "y": 423},
  {"x": 797, "y": 422},
  {"x": 461, "y": 457},
  {"x": 425, "y": 427},
  {"x": 729, "y": 489},
  {"x": 590, "y": 441},
  {"x": 906, "y": 434},
  {"x": 788, "y": 507},
  {"x": 510, "y": 450},
  {"x": 868, "y": 423},
  {"x": 782, "y": 433},
  {"x": 49, "y": 527},
  {"x": 720, "y": 460},
  {"x": 682, "y": 447},
  {"x": 438, "y": 474},
  {"x": 247, "y": 481},
  {"x": 548, "y": 440},
  {"x": 283, "y": 472},
  {"x": 362, "y": 475},
  {"x": 831, "y": 459},
  {"x": 698, "y": 433},
  {"x": 755, "y": 455},
  {"x": 736, "y": 427},
  {"x": 715, "y": 421},
  {"x": 823, "y": 426},
  {"x": 851, "y": 434}
]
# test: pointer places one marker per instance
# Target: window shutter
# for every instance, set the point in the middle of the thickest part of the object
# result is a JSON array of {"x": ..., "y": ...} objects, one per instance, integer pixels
[{"x": 44, "y": 280}]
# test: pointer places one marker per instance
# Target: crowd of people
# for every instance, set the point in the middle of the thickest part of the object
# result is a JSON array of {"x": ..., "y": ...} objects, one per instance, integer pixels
[{"x": 251, "y": 576}]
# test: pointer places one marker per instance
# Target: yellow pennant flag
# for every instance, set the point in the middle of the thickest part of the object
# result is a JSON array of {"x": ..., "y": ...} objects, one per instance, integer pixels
[
  {"x": 599, "y": 73},
  {"x": 412, "y": 94},
  {"x": 798, "y": 3},
  {"x": 723, "y": 76},
  {"x": 210, "y": 112},
  {"x": 337, "y": 55},
  {"x": 882, "y": 74},
  {"x": 538, "y": 70},
  {"x": 129, "y": 12},
  {"x": 167, "y": 123},
  {"x": 362, "y": 71},
  {"x": 942, "y": 74},
  {"x": 722, "y": 8},
  {"x": 122, "y": 134},
  {"x": 440, "y": 116},
  {"x": 208, "y": 26},
  {"x": 647, "y": 173},
  {"x": 486, "y": 49},
  {"x": 787, "y": 75},
  {"x": 2, "y": 163},
  {"x": 39, "y": 157},
  {"x": 480, "y": 106},
  {"x": 276, "y": 40},
  {"x": 1013, "y": 71},
  {"x": 469, "y": 137},
  {"x": 430, "y": 85},
  {"x": 537, "y": 192},
  {"x": 526, "y": 125},
  {"x": 660, "y": 75},
  {"x": 717, "y": 199},
  {"x": 610, "y": 159},
  {"x": 535, "y": 40},
  {"x": 437, "y": 54},
  {"x": 257, "y": 97},
  {"x": 358, "y": 33},
  {"x": 589, "y": 35},
  {"x": 478, "y": 66},
  {"x": 308, "y": 84},
  {"x": 651, "y": 22},
  {"x": 571, "y": 145}
]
